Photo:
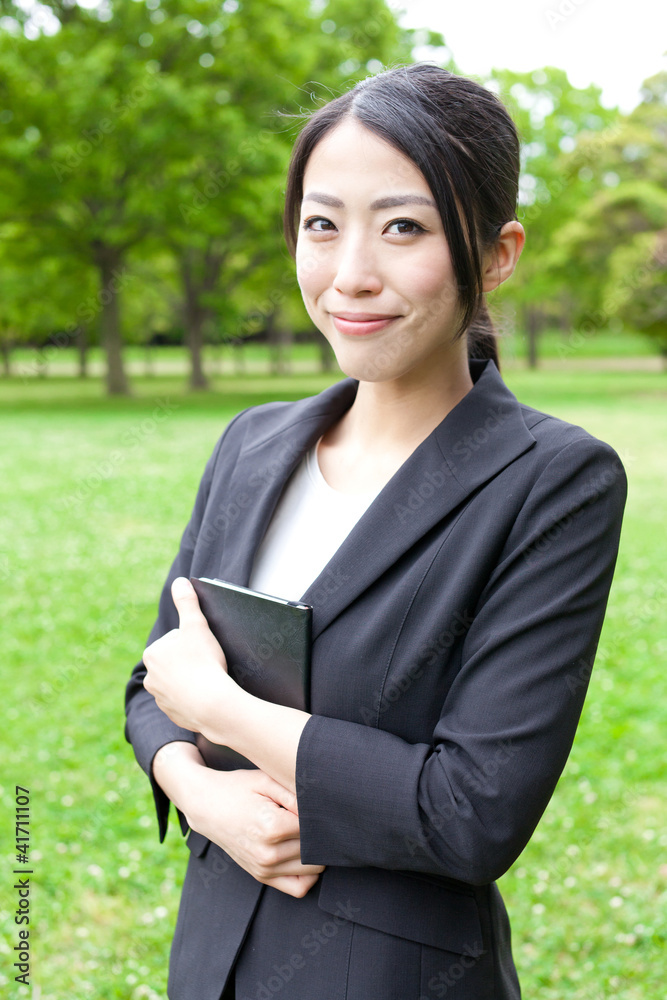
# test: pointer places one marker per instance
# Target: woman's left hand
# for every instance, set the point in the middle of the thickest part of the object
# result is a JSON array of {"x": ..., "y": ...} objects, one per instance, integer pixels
[{"x": 186, "y": 670}]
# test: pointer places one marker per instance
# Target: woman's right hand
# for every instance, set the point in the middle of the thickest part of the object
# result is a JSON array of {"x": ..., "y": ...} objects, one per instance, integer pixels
[{"x": 247, "y": 813}]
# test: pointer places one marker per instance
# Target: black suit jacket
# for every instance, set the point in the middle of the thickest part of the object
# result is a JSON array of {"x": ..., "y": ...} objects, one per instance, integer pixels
[{"x": 454, "y": 632}]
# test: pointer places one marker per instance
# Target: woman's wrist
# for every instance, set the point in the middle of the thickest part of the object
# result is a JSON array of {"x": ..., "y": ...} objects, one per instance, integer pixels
[
  {"x": 221, "y": 715},
  {"x": 265, "y": 733},
  {"x": 175, "y": 767}
]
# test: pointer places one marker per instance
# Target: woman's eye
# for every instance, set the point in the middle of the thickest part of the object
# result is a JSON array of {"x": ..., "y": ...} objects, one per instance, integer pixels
[
  {"x": 404, "y": 227},
  {"x": 317, "y": 224}
]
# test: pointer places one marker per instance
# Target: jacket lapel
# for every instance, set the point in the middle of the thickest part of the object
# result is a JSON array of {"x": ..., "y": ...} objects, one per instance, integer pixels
[
  {"x": 264, "y": 467},
  {"x": 475, "y": 441}
]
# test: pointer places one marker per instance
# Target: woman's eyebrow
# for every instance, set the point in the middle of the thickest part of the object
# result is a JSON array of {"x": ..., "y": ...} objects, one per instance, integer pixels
[{"x": 389, "y": 202}]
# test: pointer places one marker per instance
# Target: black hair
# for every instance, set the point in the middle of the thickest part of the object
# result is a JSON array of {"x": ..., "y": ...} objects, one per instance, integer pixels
[{"x": 464, "y": 142}]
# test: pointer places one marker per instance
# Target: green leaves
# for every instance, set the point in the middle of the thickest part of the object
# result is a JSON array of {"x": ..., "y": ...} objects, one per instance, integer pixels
[{"x": 154, "y": 128}]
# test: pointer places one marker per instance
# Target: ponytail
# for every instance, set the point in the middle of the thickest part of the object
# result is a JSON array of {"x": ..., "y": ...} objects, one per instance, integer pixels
[{"x": 481, "y": 334}]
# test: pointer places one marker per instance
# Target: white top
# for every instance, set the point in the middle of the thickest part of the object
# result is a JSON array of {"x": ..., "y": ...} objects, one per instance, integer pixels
[{"x": 308, "y": 525}]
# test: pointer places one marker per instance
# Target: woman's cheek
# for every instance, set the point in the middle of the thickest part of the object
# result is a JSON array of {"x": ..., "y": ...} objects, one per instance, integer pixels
[
  {"x": 312, "y": 282},
  {"x": 433, "y": 287}
]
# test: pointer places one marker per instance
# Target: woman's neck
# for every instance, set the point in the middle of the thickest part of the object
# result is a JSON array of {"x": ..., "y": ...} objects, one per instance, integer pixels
[
  {"x": 386, "y": 423},
  {"x": 398, "y": 416}
]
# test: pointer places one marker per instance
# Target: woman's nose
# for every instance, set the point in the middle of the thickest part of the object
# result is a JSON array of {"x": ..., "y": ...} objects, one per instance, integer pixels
[{"x": 356, "y": 270}]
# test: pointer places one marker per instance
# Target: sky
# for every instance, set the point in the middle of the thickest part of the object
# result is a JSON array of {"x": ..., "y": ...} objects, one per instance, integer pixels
[{"x": 615, "y": 44}]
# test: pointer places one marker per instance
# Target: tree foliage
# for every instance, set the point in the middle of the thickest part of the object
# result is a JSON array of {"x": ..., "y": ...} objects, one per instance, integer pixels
[
  {"x": 143, "y": 147},
  {"x": 135, "y": 128}
]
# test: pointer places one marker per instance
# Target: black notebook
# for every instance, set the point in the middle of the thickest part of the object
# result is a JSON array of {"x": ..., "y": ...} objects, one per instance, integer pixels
[{"x": 266, "y": 641}]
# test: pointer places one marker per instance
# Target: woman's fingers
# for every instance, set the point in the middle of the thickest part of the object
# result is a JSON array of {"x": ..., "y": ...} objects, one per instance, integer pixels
[
  {"x": 243, "y": 812},
  {"x": 293, "y": 885},
  {"x": 277, "y": 792},
  {"x": 283, "y": 858}
]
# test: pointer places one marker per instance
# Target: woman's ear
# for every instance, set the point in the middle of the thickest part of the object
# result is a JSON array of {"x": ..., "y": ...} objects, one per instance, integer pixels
[{"x": 500, "y": 262}]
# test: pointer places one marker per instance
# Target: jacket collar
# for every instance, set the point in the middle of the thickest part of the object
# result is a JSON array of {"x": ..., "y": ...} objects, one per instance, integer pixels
[{"x": 475, "y": 441}]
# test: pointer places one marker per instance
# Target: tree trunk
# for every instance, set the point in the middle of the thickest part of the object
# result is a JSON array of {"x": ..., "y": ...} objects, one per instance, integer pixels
[
  {"x": 286, "y": 340},
  {"x": 217, "y": 357},
  {"x": 327, "y": 356},
  {"x": 280, "y": 341},
  {"x": 149, "y": 367},
  {"x": 274, "y": 345},
  {"x": 194, "y": 322},
  {"x": 109, "y": 263},
  {"x": 532, "y": 331},
  {"x": 194, "y": 315},
  {"x": 6, "y": 363},
  {"x": 82, "y": 349},
  {"x": 240, "y": 367}
]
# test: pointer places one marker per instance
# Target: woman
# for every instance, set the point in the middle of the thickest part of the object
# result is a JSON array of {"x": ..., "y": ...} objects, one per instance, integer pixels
[{"x": 457, "y": 549}]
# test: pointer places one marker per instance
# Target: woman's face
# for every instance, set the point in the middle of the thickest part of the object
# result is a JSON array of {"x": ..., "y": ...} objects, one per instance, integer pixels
[{"x": 372, "y": 259}]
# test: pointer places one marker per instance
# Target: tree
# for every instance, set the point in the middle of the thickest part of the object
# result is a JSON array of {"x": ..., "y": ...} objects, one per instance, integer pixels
[
  {"x": 221, "y": 211},
  {"x": 611, "y": 251},
  {"x": 140, "y": 126},
  {"x": 552, "y": 118},
  {"x": 641, "y": 303}
]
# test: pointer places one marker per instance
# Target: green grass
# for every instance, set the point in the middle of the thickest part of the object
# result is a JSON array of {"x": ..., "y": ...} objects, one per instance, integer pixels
[{"x": 94, "y": 494}]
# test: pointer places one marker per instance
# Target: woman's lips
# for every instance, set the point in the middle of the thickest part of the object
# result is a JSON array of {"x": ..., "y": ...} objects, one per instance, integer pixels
[{"x": 358, "y": 324}]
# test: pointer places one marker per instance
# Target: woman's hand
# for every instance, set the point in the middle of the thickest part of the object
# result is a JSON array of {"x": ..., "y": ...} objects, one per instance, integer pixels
[
  {"x": 246, "y": 813},
  {"x": 186, "y": 670}
]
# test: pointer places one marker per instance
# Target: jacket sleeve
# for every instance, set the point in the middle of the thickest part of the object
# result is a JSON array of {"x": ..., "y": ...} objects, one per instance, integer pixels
[
  {"x": 466, "y": 805},
  {"x": 147, "y": 728}
]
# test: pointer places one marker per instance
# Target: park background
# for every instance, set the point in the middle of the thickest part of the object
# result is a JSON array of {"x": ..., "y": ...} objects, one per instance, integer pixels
[{"x": 145, "y": 297}]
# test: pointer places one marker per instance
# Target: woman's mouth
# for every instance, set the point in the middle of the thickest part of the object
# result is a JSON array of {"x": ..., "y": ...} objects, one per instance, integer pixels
[{"x": 359, "y": 324}]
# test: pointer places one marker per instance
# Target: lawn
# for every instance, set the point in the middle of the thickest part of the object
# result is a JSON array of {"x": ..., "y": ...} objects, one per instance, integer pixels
[{"x": 94, "y": 496}]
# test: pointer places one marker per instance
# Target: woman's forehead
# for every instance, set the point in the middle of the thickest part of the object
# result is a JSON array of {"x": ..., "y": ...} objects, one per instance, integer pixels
[{"x": 351, "y": 154}]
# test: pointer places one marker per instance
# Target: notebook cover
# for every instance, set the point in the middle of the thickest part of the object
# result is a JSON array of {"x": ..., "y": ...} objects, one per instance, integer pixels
[{"x": 266, "y": 642}]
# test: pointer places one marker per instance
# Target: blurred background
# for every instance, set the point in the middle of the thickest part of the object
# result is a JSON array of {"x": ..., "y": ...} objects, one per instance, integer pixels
[{"x": 146, "y": 296}]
